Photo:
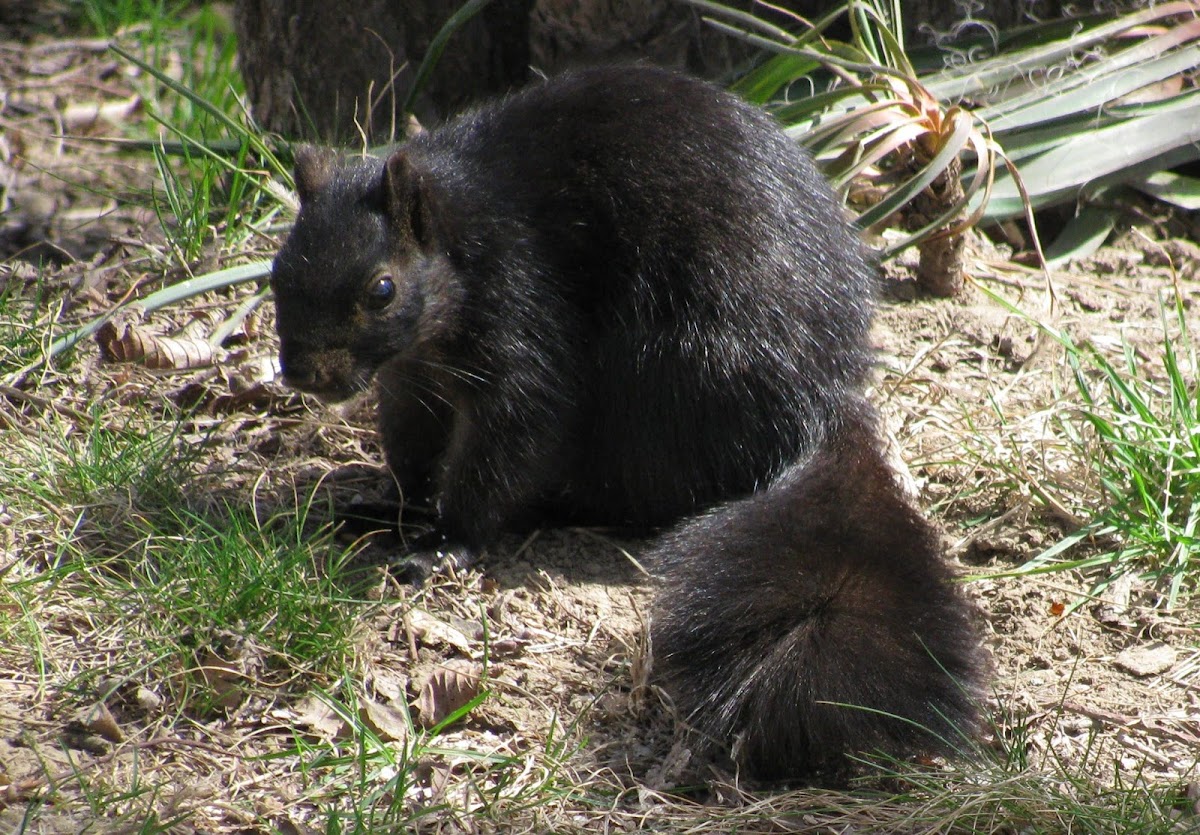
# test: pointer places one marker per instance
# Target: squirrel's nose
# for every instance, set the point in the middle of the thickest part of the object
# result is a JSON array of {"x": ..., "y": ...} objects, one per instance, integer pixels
[
  {"x": 303, "y": 380},
  {"x": 298, "y": 373}
]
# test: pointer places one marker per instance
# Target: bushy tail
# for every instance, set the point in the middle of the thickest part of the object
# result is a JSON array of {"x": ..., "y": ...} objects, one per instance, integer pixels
[{"x": 816, "y": 619}]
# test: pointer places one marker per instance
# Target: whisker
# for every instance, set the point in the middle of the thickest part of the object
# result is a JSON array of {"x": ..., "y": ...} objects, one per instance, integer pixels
[
  {"x": 454, "y": 371},
  {"x": 420, "y": 385}
]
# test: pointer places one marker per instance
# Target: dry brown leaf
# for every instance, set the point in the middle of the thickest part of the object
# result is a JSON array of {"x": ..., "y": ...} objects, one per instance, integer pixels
[
  {"x": 258, "y": 397},
  {"x": 316, "y": 715},
  {"x": 98, "y": 719},
  {"x": 126, "y": 342},
  {"x": 439, "y": 779},
  {"x": 201, "y": 323},
  {"x": 389, "y": 723},
  {"x": 147, "y": 699},
  {"x": 433, "y": 631},
  {"x": 449, "y": 687},
  {"x": 223, "y": 679},
  {"x": 391, "y": 686}
]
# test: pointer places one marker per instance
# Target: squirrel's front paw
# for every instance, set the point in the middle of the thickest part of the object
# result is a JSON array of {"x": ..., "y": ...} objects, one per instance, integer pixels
[
  {"x": 431, "y": 554},
  {"x": 358, "y": 519}
]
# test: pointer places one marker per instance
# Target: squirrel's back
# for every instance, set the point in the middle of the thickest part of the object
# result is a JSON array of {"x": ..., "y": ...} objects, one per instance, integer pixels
[{"x": 719, "y": 303}]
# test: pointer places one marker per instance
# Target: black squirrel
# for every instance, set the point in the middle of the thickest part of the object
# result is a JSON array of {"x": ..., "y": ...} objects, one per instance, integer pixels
[{"x": 623, "y": 297}]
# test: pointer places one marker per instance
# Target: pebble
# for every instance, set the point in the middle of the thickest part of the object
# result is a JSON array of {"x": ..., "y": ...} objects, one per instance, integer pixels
[{"x": 1147, "y": 660}]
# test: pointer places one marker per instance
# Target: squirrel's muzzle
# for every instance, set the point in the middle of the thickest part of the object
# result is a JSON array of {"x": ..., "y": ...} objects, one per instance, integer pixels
[{"x": 330, "y": 376}]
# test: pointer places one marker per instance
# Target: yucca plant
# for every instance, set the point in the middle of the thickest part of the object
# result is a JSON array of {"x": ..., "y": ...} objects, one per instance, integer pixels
[
  {"x": 881, "y": 136},
  {"x": 1071, "y": 106}
]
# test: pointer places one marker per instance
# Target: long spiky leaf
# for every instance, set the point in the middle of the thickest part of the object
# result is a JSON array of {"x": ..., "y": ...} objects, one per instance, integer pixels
[
  {"x": 1088, "y": 89},
  {"x": 900, "y": 196},
  {"x": 980, "y": 76},
  {"x": 238, "y": 130},
  {"x": 437, "y": 46}
]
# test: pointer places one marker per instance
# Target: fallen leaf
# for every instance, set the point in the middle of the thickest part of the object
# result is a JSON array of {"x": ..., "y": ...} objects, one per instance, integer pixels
[
  {"x": 98, "y": 719},
  {"x": 389, "y": 723},
  {"x": 124, "y": 342},
  {"x": 433, "y": 631},
  {"x": 391, "y": 686},
  {"x": 224, "y": 678},
  {"x": 148, "y": 700},
  {"x": 448, "y": 688},
  {"x": 316, "y": 715}
]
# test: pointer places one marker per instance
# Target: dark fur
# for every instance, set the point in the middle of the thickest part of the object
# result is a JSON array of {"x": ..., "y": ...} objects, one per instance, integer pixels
[
  {"x": 796, "y": 622},
  {"x": 623, "y": 296}
]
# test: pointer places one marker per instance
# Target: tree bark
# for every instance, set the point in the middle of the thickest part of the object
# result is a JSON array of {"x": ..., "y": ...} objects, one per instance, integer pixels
[
  {"x": 941, "y": 270},
  {"x": 334, "y": 70},
  {"x": 338, "y": 70}
]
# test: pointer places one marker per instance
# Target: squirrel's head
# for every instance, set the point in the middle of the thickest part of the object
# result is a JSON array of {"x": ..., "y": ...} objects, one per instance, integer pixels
[{"x": 364, "y": 276}]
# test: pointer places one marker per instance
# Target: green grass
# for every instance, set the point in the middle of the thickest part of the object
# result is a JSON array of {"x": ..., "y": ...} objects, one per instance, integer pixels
[
  {"x": 216, "y": 599},
  {"x": 177, "y": 573},
  {"x": 108, "y": 17},
  {"x": 214, "y": 166},
  {"x": 207, "y": 196},
  {"x": 219, "y": 604},
  {"x": 366, "y": 784},
  {"x": 1139, "y": 428},
  {"x": 196, "y": 106},
  {"x": 23, "y": 314}
]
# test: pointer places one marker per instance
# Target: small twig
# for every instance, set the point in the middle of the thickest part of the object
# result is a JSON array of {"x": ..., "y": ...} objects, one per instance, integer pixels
[
  {"x": 411, "y": 638},
  {"x": 1052, "y": 504},
  {"x": 599, "y": 537},
  {"x": 529, "y": 540},
  {"x": 1150, "y": 726},
  {"x": 1145, "y": 750},
  {"x": 967, "y": 541},
  {"x": 1108, "y": 717},
  {"x": 13, "y": 393}
]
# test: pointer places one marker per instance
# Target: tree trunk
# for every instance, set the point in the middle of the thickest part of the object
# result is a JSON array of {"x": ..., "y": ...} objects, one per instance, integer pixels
[
  {"x": 941, "y": 270},
  {"x": 338, "y": 70},
  {"x": 334, "y": 70}
]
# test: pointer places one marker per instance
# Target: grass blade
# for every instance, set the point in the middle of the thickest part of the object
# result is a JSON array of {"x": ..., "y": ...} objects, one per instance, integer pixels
[{"x": 437, "y": 46}]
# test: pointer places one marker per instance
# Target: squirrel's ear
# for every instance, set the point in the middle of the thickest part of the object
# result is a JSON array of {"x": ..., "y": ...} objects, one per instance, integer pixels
[
  {"x": 314, "y": 170},
  {"x": 407, "y": 199}
]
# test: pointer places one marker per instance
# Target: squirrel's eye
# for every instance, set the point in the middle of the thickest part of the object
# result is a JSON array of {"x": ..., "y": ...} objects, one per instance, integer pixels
[{"x": 380, "y": 291}]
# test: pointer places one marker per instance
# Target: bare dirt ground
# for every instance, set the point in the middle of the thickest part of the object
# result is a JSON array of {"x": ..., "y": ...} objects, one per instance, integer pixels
[{"x": 971, "y": 397}]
